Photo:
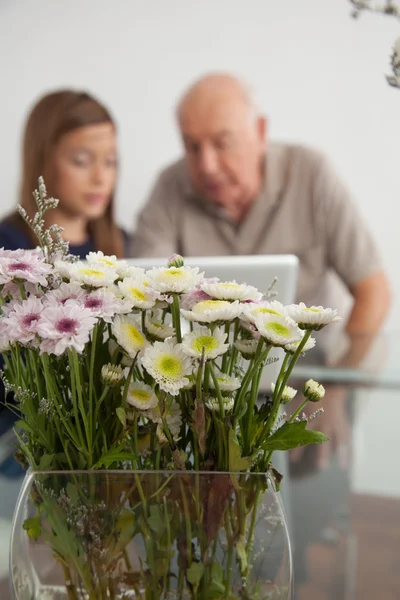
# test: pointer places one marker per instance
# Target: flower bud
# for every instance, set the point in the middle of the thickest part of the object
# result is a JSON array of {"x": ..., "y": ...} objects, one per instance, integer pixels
[
  {"x": 111, "y": 374},
  {"x": 176, "y": 261},
  {"x": 287, "y": 395},
  {"x": 313, "y": 391}
]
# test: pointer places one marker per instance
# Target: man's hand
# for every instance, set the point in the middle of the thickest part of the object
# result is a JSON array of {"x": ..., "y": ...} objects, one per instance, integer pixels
[{"x": 334, "y": 423}]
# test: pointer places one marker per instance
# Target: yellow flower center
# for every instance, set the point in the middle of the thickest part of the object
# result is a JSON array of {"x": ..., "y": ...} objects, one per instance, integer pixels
[
  {"x": 91, "y": 272},
  {"x": 278, "y": 329},
  {"x": 313, "y": 309},
  {"x": 208, "y": 342},
  {"x": 137, "y": 294},
  {"x": 107, "y": 261},
  {"x": 175, "y": 273},
  {"x": 170, "y": 366},
  {"x": 229, "y": 286},
  {"x": 263, "y": 310},
  {"x": 140, "y": 395},
  {"x": 134, "y": 334},
  {"x": 210, "y": 305}
]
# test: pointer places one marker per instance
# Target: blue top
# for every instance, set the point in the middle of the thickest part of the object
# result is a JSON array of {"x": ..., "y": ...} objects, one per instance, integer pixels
[{"x": 13, "y": 238}]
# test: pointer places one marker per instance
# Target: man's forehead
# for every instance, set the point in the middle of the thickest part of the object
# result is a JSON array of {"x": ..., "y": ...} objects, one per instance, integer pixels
[{"x": 213, "y": 120}]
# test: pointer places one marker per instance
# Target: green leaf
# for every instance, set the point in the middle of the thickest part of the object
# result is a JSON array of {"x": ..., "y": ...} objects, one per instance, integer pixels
[
  {"x": 113, "y": 455},
  {"x": 126, "y": 528},
  {"x": 236, "y": 462},
  {"x": 72, "y": 493},
  {"x": 24, "y": 425},
  {"x": 46, "y": 462},
  {"x": 121, "y": 414},
  {"x": 33, "y": 527},
  {"x": 216, "y": 587},
  {"x": 292, "y": 435},
  {"x": 195, "y": 573},
  {"x": 156, "y": 520},
  {"x": 214, "y": 590},
  {"x": 125, "y": 519}
]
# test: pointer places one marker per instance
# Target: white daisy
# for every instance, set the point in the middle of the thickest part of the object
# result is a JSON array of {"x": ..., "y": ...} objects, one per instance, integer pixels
[
  {"x": 230, "y": 290},
  {"x": 94, "y": 275},
  {"x": 312, "y": 317},
  {"x": 213, "y": 342},
  {"x": 141, "y": 396},
  {"x": 127, "y": 270},
  {"x": 127, "y": 331},
  {"x": 213, "y": 404},
  {"x": 287, "y": 395},
  {"x": 139, "y": 293},
  {"x": 278, "y": 330},
  {"x": 157, "y": 329},
  {"x": 246, "y": 347},
  {"x": 313, "y": 391},
  {"x": 252, "y": 310},
  {"x": 65, "y": 326},
  {"x": 291, "y": 348},
  {"x": 168, "y": 364},
  {"x": 192, "y": 298},
  {"x": 172, "y": 415},
  {"x": 211, "y": 311},
  {"x": 226, "y": 383},
  {"x": 174, "y": 280},
  {"x": 95, "y": 258}
]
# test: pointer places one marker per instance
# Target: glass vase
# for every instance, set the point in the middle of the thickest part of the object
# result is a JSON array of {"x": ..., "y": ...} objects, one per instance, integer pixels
[{"x": 97, "y": 535}]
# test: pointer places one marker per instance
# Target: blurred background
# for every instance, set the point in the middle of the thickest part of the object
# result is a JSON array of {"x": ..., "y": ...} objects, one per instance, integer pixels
[{"x": 318, "y": 74}]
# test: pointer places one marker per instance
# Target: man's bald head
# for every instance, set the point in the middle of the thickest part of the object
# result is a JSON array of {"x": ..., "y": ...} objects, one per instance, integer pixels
[
  {"x": 217, "y": 89},
  {"x": 224, "y": 140}
]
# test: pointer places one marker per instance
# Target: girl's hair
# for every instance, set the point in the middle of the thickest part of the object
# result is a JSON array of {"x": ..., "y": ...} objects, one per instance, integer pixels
[{"x": 53, "y": 116}]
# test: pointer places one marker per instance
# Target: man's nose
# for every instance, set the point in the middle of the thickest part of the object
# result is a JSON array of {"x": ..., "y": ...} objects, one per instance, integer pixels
[{"x": 208, "y": 160}]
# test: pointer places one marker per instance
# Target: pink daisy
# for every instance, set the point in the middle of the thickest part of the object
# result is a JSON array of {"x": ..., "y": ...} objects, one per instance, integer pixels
[
  {"x": 65, "y": 292},
  {"x": 22, "y": 319},
  {"x": 105, "y": 305},
  {"x": 65, "y": 326},
  {"x": 28, "y": 267}
]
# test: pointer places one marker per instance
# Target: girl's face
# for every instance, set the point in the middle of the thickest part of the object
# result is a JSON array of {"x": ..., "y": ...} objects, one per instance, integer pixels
[{"x": 85, "y": 166}]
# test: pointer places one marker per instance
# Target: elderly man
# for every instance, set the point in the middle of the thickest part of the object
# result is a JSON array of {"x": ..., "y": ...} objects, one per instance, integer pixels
[{"x": 234, "y": 192}]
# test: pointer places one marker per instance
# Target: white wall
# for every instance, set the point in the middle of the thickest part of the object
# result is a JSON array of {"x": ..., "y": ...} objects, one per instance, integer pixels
[{"x": 318, "y": 73}]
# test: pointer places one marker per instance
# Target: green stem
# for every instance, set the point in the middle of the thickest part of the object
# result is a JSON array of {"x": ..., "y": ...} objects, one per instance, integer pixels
[
  {"x": 176, "y": 318},
  {"x": 91, "y": 381},
  {"x": 297, "y": 411},
  {"x": 217, "y": 389},
  {"x": 253, "y": 399}
]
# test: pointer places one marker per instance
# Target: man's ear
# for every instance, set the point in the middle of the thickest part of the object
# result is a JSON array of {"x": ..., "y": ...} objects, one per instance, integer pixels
[{"x": 262, "y": 128}]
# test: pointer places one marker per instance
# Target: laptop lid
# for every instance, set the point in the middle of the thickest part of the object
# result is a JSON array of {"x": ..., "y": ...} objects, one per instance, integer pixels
[{"x": 256, "y": 270}]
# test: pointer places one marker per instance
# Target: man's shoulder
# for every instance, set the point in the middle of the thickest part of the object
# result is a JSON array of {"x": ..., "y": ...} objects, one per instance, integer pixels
[
  {"x": 293, "y": 152},
  {"x": 175, "y": 174}
]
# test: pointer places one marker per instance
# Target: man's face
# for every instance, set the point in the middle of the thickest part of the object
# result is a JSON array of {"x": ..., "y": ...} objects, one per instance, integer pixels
[{"x": 224, "y": 147}]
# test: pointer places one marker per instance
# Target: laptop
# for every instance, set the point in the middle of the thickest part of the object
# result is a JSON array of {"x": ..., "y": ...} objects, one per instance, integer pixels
[{"x": 258, "y": 271}]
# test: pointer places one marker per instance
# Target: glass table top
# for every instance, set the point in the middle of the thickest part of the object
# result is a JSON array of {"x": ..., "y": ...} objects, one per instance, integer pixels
[{"x": 343, "y": 511}]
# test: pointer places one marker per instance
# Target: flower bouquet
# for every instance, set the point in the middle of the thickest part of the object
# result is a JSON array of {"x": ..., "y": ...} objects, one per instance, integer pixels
[{"x": 137, "y": 395}]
